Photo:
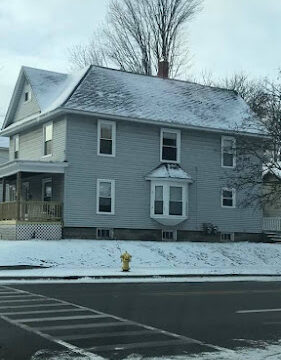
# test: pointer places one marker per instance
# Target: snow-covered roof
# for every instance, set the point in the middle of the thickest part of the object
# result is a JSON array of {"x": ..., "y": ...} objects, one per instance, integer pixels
[
  {"x": 112, "y": 92},
  {"x": 52, "y": 89},
  {"x": 166, "y": 171},
  {"x": 272, "y": 171}
]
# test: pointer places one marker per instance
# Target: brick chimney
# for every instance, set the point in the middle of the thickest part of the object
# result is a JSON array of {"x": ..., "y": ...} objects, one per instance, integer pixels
[{"x": 163, "y": 69}]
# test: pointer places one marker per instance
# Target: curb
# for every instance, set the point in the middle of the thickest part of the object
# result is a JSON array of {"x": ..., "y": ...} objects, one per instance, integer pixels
[{"x": 104, "y": 277}]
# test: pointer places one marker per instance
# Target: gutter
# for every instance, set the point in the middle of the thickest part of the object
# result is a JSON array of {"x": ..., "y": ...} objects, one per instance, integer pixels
[{"x": 41, "y": 118}]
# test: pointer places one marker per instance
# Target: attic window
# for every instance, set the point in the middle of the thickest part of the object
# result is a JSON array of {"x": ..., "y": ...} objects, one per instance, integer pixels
[{"x": 27, "y": 96}]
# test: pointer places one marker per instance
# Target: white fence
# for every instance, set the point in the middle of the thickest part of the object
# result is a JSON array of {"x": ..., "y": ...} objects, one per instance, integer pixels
[{"x": 272, "y": 223}]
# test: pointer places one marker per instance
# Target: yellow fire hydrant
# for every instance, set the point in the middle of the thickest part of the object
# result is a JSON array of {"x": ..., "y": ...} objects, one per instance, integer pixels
[{"x": 125, "y": 258}]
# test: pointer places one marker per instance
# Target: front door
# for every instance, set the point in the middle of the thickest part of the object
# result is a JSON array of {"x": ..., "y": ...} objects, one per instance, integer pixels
[{"x": 47, "y": 189}]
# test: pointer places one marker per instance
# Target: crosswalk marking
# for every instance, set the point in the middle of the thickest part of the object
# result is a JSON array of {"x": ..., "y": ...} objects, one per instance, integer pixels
[
  {"x": 58, "y": 318},
  {"x": 14, "y": 313},
  {"x": 42, "y": 311},
  {"x": 257, "y": 311},
  {"x": 104, "y": 335},
  {"x": 83, "y": 326}
]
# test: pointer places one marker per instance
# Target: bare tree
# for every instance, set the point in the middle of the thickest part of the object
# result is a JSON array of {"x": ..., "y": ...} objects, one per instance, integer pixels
[
  {"x": 139, "y": 34},
  {"x": 258, "y": 169}
]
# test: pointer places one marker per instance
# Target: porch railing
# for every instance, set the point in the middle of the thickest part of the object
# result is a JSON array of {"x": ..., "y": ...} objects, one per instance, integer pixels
[
  {"x": 31, "y": 210},
  {"x": 272, "y": 223}
]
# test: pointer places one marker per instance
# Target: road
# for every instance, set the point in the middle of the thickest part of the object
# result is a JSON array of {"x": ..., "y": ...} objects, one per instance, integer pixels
[{"x": 116, "y": 320}]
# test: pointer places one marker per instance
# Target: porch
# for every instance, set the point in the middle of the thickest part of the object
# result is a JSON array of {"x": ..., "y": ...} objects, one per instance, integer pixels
[
  {"x": 272, "y": 224},
  {"x": 32, "y": 199}
]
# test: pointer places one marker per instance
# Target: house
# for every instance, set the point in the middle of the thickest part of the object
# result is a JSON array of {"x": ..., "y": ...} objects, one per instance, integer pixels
[{"x": 104, "y": 153}]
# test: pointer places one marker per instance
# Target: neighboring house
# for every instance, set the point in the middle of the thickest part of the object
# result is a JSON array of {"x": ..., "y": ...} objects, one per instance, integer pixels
[
  {"x": 110, "y": 154},
  {"x": 272, "y": 209},
  {"x": 4, "y": 157}
]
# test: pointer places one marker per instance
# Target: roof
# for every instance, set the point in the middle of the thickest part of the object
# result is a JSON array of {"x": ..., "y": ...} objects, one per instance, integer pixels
[
  {"x": 118, "y": 93},
  {"x": 169, "y": 171}
]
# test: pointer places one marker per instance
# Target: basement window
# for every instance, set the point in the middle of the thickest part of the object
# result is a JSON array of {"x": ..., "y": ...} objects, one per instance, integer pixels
[
  {"x": 169, "y": 235},
  {"x": 104, "y": 234},
  {"x": 227, "y": 236}
]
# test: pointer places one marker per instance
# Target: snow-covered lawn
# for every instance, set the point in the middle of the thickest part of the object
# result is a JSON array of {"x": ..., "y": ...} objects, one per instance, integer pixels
[{"x": 91, "y": 257}]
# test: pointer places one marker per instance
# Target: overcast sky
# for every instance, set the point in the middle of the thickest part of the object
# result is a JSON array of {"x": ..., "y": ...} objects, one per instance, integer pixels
[{"x": 227, "y": 36}]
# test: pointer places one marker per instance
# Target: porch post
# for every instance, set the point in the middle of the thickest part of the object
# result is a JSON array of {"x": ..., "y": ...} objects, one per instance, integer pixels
[
  {"x": 3, "y": 189},
  {"x": 18, "y": 195}
]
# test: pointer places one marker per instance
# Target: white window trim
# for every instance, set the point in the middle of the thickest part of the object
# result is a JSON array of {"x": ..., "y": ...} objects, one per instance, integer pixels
[
  {"x": 14, "y": 140},
  {"x": 233, "y": 198},
  {"x": 223, "y": 138},
  {"x": 232, "y": 236},
  {"x": 178, "y": 132},
  {"x": 113, "y": 124},
  {"x": 112, "y": 182},
  {"x": 43, "y": 147},
  {"x": 166, "y": 218},
  {"x": 44, "y": 181}
]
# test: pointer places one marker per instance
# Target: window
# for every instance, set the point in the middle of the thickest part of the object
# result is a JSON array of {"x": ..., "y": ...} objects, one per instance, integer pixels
[
  {"x": 227, "y": 236},
  {"x": 48, "y": 139},
  {"x": 27, "y": 96},
  {"x": 106, "y": 138},
  {"x": 159, "y": 201},
  {"x": 175, "y": 205},
  {"x": 105, "y": 196},
  {"x": 168, "y": 201},
  {"x": 16, "y": 146},
  {"x": 11, "y": 192},
  {"x": 169, "y": 235},
  {"x": 104, "y": 234},
  {"x": 228, "y": 198},
  {"x": 170, "y": 145},
  {"x": 47, "y": 190},
  {"x": 228, "y": 152}
]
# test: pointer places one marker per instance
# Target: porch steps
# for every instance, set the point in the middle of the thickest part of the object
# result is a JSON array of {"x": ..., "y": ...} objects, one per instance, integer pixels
[{"x": 274, "y": 237}]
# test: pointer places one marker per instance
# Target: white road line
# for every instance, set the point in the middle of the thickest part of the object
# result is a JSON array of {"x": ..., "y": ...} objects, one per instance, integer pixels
[
  {"x": 41, "y": 312},
  {"x": 9, "y": 293},
  {"x": 29, "y": 306},
  {"x": 127, "y": 322},
  {"x": 147, "y": 344},
  {"x": 83, "y": 326},
  {"x": 110, "y": 334},
  {"x": 68, "y": 346},
  {"x": 257, "y": 311},
  {"x": 15, "y": 296},
  {"x": 27, "y": 300},
  {"x": 272, "y": 323},
  {"x": 58, "y": 318}
]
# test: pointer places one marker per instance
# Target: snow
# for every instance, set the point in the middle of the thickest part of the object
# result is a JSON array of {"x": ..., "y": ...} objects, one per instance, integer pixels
[
  {"x": 146, "y": 98},
  {"x": 169, "y": 171},
  {"x": 52, "y": 89},
  {"x": 259, "y": 351},
  {"x": 118, "y": 93},
  {"x": 86, "y": 258}
]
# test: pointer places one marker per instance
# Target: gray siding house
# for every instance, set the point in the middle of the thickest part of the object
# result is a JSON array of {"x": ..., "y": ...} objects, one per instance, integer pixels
[{"x": 109, "y": 154}]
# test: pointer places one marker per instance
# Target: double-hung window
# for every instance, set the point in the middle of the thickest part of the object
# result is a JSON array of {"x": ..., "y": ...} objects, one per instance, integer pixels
[
  {"x": 228, "y": 151},
  {"x": 106, "y": 138},
  {"x": 16, "y": 146},
  {"x": 48, "y": 139},
  {"x": 168, "y": 200},
  {"x": 105, "y": 196},
  {"x": 170, "y": 146},
  {"x": 228, "y": 198}
]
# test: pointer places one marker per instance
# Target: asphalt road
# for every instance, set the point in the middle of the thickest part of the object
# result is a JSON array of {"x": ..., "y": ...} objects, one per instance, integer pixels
[{"x": 116, "y": 320}]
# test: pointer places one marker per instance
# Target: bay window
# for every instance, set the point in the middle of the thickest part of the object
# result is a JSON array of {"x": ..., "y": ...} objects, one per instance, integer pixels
[{"x": 168, "y": 201}]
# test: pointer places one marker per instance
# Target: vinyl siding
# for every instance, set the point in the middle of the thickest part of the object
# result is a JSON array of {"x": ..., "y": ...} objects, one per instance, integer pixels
[
  {"x": 31, "y": 143},
  {"x": 137, "y": 153},
  {"x": 25, "y": 109},
  {"x": 4, "y": 155}
]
